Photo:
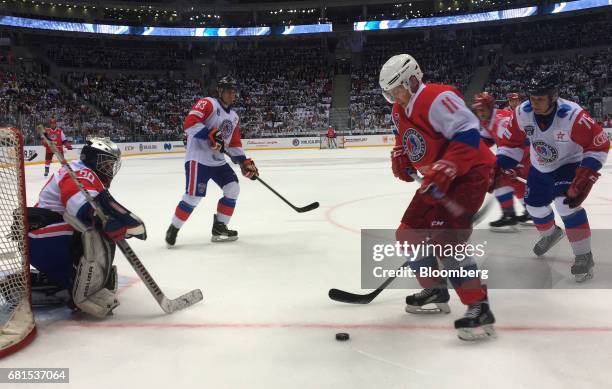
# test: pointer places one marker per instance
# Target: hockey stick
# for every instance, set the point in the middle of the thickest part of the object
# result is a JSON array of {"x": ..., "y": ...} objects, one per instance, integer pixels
[
  {"x": 306, "y": 208},
  {"x": 166, "y": 304},
  {"x": 354, "y": 298}
]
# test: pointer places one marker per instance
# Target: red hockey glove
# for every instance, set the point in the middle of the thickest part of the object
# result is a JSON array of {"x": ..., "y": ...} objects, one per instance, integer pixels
[
  {"x": 401, "y": 165},
  {"x": 501, "y": 175},
  {"x": 249, "y": 170},
  {"x": 438, "y": 178},
  {"x": 68, "y": 145},
  {"x": 216, "y": 139},
  {"x": 581, "y": 186}
]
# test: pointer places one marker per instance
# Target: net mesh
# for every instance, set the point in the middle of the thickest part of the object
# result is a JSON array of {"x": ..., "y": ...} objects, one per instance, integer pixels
[
  {"x": 332, "y": 143},
  {"x": 16, "y": 319}
]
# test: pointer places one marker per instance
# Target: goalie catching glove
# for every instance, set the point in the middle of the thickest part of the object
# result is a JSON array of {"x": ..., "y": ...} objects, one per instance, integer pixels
[{"x": 249, "y": 170}]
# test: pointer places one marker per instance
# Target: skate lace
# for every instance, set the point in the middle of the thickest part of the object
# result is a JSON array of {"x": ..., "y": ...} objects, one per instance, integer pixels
[
  {"x": 474, "y": 310},
  {"x": 425, "y": 293}
]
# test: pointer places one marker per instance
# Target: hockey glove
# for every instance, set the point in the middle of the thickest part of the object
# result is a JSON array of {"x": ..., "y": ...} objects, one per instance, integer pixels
[
  {"x": 249, "y": 170},
  {"x": 401, "y": 165},
  {"x": 438, "y": 178},
  {"x": 121, "y": 223},
  {"x": 502, "y": 175},
  {"x": 216, "y": 139},
  {"x": 581, "y": 186},
  {"x": 68, "y": 145}
]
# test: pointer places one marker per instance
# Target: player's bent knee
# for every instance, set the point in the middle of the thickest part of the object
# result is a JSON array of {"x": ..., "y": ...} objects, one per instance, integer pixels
[
  {"x": 192, "y": 200},
  {"x": 231, "y": 190},
  {"x": 539, "y": 212},
  {"x": 564, "y": 209}
]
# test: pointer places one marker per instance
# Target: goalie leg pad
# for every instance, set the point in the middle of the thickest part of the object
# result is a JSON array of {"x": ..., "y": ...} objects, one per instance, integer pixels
[{"x": 95, "y": 286}]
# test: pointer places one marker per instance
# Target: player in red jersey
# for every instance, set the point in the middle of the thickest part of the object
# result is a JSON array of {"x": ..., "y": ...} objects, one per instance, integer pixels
[
  {"x": 514, "y": 100},
  {"x": 493, "y": 128},
  {"x": 55, "y": 134},
  {"x": 331, "y": 138},
  {"x": 438, "y": 135}
]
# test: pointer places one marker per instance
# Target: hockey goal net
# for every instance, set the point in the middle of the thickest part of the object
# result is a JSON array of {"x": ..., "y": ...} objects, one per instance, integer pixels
[
  {"x": 17, "y": 327},
  {"x": 332, "y": 143}
]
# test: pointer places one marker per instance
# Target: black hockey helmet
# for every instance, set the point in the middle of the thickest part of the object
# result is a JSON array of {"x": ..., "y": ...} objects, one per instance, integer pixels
[
  {"x": 103, "y": 157},
  {"x": 544, "y": 84},
  {"x": 228, "y": 82}
]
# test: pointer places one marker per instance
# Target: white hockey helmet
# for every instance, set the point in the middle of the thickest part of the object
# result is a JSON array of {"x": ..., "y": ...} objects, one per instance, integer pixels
[{"x": 397, "y": 71}]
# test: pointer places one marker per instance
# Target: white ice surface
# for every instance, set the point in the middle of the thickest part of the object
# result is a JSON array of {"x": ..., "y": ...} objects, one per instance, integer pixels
[{"x": 266, "y": 320}]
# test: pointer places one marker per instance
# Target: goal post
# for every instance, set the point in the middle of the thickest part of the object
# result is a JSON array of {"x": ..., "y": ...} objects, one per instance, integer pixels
[{"x": 17, "y": 326}]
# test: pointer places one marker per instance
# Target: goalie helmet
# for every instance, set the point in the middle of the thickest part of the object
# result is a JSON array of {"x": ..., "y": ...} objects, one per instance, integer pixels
[
  {"x": 484, "y": 100},
  {"x": 397, "y": 71},
  {"x": 103, "y": 157}
]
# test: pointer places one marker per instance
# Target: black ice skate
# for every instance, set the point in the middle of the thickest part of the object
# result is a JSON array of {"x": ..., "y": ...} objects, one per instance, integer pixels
[
  {"x": 220, "y": 232},
  {"x": 525, "y": 220},
  {"x": 507, "y": 223},
  {"x": 477, "y": 323},
  {"x": 582, "y": 268},
  {"x": 46, "y": 171},
  {"x": 171, "y": 235},
  {"x": 547, "y": 242},
  {"x": 438, "y": 296}
]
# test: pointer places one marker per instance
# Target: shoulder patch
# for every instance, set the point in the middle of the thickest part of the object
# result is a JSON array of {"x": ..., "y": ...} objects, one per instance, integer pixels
[
  {"x": 563, "y": 110},
  {"x": 527, "y": 107}
]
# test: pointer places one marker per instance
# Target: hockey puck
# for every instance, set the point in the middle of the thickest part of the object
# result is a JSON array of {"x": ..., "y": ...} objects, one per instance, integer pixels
[{"x": 342, "y": 336}]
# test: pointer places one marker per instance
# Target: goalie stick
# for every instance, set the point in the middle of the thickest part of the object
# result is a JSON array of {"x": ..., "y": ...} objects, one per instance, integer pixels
[
  {"x": 166, "y": 304},
  {"x": 354, "y": 298},
  {"x": 306, "y": 208}
]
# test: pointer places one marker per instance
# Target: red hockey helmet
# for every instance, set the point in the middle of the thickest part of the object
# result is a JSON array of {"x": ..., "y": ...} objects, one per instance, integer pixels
[
  {"x": 52, "y": 122},
  {"x": 484, "y": 100}
]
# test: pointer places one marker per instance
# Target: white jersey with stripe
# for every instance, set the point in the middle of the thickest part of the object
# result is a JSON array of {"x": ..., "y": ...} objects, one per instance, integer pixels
[
  {"x": 61, "y": 194},
  {"x": 205, "y": 115},
  {"x": 571, "y": 137}
]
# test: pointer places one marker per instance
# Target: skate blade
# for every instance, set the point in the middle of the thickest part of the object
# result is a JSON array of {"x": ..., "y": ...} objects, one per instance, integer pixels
[
  {"x": 479, "y": 333},
  {"x": 584, "y": 277},
  {"x": 506, "y": 229},
  {"x": 527, "y": 224},
  {"x": 221, "y": 238},
  {"x": 169, "y": 246},
  {"x": 440, "y": 308}
]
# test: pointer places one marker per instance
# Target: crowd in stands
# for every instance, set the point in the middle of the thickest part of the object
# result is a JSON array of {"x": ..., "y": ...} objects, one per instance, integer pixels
[
  {"x": 585, "y": 79},
  {"x": 444, "y": 58},
  {"x": 114, "y": 57},
  {"x": 282, "y": 89},
  {"x": 152, "y": 107},
  {"x": 285, "y": 87}
]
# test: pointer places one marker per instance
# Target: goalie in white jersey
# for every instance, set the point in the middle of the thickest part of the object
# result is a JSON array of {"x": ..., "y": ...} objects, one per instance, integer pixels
[
  {"x": 568, "y": 148},
  {"x": 213, "y": 129}
]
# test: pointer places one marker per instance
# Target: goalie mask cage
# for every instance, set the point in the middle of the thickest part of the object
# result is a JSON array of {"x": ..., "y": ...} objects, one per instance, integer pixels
[
  {"x": 17, "y": 327},
  {"x": 332, "y": 143}
]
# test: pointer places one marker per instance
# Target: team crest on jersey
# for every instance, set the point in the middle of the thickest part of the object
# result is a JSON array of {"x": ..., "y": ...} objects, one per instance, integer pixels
[
  {"x": 600, "y": 139},
  {"x": 226, "y": 129},
  {"x": 529, "y": 130},
  {"x": 545, "y": 152},
  {"x": 414, "y": 144},
  {"x": 561, "y": 137}
]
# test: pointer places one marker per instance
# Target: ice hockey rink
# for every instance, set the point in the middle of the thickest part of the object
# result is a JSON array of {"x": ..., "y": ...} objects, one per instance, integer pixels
[{"x": 266, "y": 320}]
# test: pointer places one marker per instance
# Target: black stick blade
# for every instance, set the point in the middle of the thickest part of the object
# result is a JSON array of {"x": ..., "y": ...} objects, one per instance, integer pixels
[
  {"x": 309, "y": 207},
  {"x": 351, "y": 298}
]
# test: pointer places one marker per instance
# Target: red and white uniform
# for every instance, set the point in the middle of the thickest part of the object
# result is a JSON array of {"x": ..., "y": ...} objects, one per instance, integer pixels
[
  {"x": 205, "y": 115},
  {"x": 57, "y": 136},
  {"x": 572, "y": 137},
  {"x": 331, "y": 133},
  {"x": 61, "y": 194},
  {"x": 437, "y": 125}
]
